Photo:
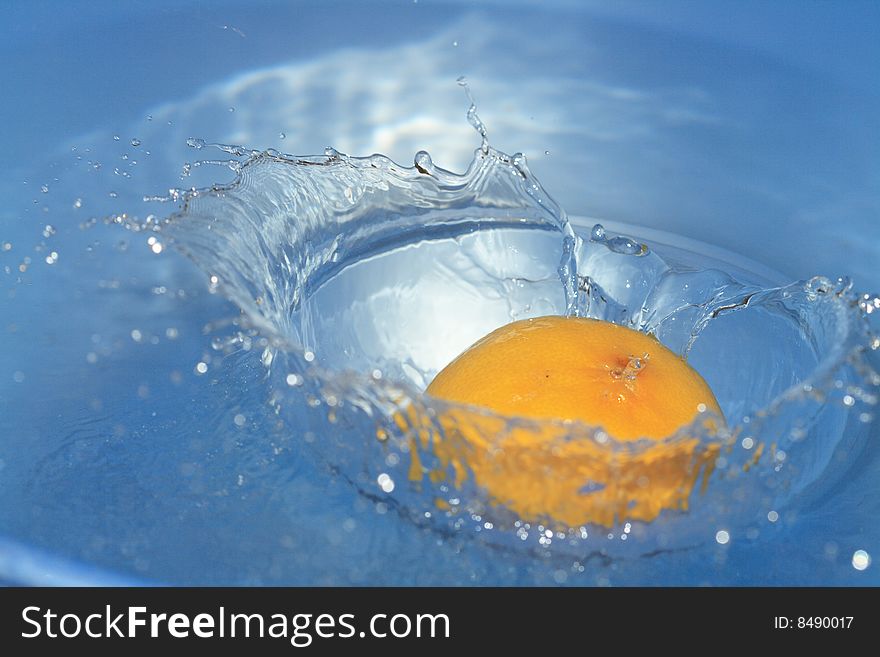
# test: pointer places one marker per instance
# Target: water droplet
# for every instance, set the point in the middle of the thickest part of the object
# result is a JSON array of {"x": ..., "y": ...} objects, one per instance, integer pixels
[
  {"x": 281, "y": 135},
  {"x": 861, "y": 560},
  {"x": 772, "y": 516},
  {"x": 869, "y": 303},
  {"x": 423, "y": 162},
  {"x": 386, "y": 483},
  {"x": 631, "y": 370},
  {"x": 722, "y": 537},
  {"x": 618, "y": 244},
  {"x": 135, "y": 142},
  {"x": 239, "y": 420}
]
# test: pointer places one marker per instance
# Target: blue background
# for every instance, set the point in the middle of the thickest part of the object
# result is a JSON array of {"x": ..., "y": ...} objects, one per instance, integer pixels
[{"x": 754, "y": 126}]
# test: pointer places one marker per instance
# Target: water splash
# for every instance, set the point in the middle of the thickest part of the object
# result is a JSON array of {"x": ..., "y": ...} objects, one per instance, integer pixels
[
  {"x": 365, "y": 277},
  {"x": 472, "y": 116}
]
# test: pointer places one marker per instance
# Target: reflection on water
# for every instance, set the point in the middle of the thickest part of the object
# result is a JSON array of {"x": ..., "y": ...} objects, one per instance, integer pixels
[{"x": 129, "y": 381}]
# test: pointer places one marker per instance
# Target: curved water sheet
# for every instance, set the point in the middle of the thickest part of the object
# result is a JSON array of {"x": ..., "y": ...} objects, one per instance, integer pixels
[{"x": 365, "y": 277}]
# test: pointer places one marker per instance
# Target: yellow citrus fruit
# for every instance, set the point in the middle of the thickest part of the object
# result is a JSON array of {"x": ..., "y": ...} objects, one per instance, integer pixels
[{"x": 558, "y": 370}]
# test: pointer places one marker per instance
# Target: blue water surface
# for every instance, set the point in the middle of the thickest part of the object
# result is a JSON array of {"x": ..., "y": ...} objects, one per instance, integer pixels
[{"x": 131, "y": 450}]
